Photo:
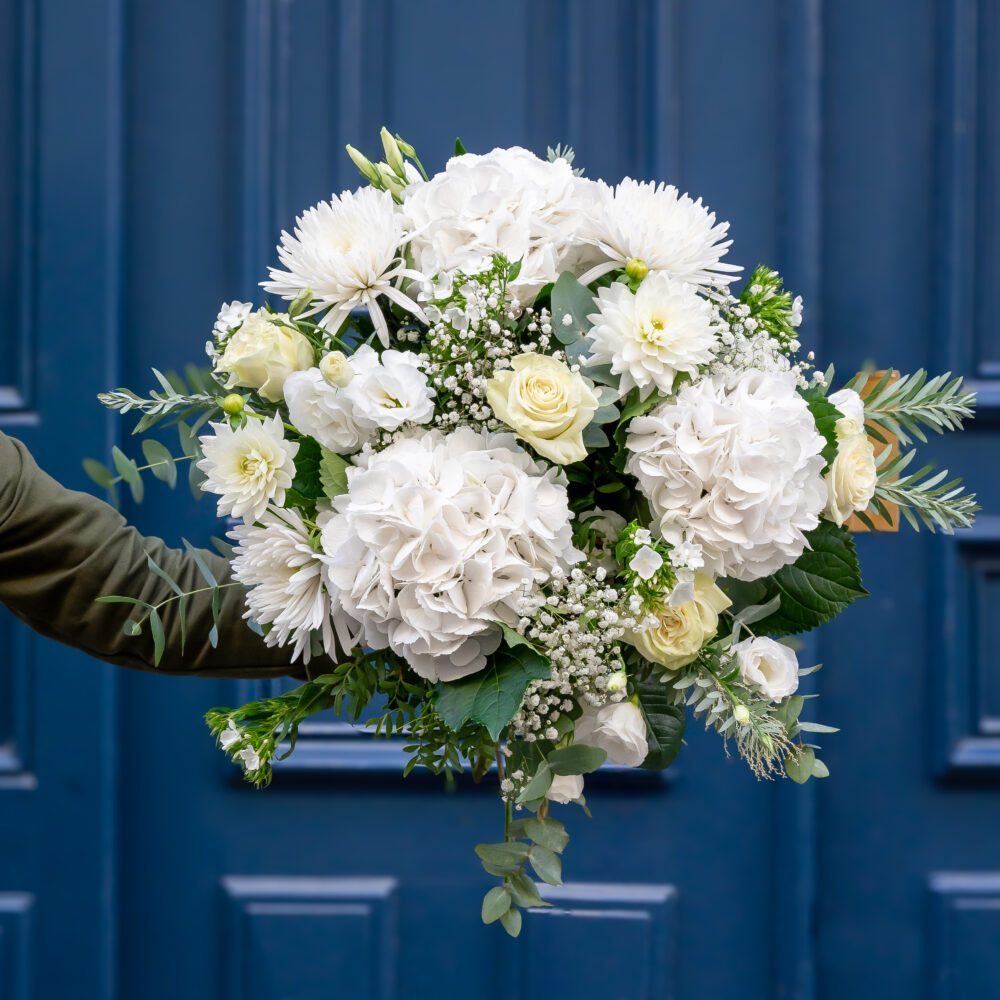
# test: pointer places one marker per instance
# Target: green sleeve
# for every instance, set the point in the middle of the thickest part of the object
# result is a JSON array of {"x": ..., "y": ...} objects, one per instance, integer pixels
[{"x": 59, "y": 550}]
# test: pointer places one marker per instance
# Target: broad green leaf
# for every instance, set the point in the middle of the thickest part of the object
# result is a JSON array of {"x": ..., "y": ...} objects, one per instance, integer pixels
[
  {"x": 826, "y": 416},
  {"x": 548, "y": 832},
  {"x": 307, "y": 481},
  {"x": 799, "y": 766},
  {"x": 547, "y": 865},
  {"x": 333, "y": 473},
  {"x": 511, "y": 852},
  {"x": 665, "y": 724},
  {"x": 160, "y": 461},
  {"x": 538, "y": 785},
  {"x": 495, "y": 904},
  {"x": 524, "y": 891},
  {"x": 492, "y": 696},
  {"x": 813, "y": 589},
  {"x": 570, "y": 298},
  {"x": 511, "y": 921},
  {"x": 576, "y": 759},
  {"x": 514, "y": 638}
]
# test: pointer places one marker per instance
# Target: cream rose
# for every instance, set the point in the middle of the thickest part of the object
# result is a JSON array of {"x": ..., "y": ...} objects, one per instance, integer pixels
[
  {"x": 261, "y": 355},
  {"x": 683, "y": 629},
  {"x": 336, "y": 369},
  {"x": 770, "y": 665},
  {"x": 545, "y": 404},
  {"x": 565, "y": 788},
  {"x": 618, "y": 729},
  {"x": 852, "y": 478}
]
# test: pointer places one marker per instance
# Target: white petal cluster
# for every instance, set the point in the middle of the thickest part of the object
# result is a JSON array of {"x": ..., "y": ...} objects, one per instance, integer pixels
[
  {"x": 650, "y": 337},
  {"x": 434, "y": 539},
  {"x": 663, "y": 228},
  {"x": 507, "y": 201},
  {"x": 383, "y": 392},
  {"x": 249, "y": 467},
  {"x": 286, "y": 580},
  {"x": 733, "y": 463},
  {"x": 769, "y": 664},
  {"x": 349, "y": 251}
]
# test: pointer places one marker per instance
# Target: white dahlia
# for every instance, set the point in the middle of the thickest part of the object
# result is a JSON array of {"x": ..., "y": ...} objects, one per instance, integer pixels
[
  {"x": 433, "y": 540},
  {"x": 286, "y": 577},
  {"x": 349, "y": 251},
  {"x": 248, "y": 467},
  {"x": 663, "y": 228},
  {"x": 650, "y": 337},
  {"x": 507, "y": 201},
  {"x": 733, "y": 463}
]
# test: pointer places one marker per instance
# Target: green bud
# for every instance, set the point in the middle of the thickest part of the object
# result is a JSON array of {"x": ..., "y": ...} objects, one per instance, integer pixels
[
  {"x": 389, "y": 180},
  {"x": 636, "y": 269},
  {"x": 618, "y": 681},
  {"x": 233, "y": 404},
  {"x": 405, "y": 148},
  {"x": 300, "y": 301},
  {"x": 365, "y": 165},
  {"x": 392, "y": 154}
]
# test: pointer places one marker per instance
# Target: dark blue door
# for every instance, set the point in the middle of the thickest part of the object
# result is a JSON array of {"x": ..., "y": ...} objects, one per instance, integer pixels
[{"x": 152, "y": 153}]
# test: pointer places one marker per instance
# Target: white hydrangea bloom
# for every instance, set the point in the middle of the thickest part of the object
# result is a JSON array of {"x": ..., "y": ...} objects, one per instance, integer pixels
[
  {"x": 663, "y": 228},
  {"x": 249, "y": 467},
  {"x": 349, "y": 251},
  {"x": 650, "y": 337},
  {"x": 507, "y": 201},
  {"x": 287, "y": 582},
  {"x": 733, "y": 464},
  {"x": 435, "y": 537}
]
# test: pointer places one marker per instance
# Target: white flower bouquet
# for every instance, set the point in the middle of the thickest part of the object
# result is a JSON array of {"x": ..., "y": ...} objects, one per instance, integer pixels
[{"x": 516, "y": 460}]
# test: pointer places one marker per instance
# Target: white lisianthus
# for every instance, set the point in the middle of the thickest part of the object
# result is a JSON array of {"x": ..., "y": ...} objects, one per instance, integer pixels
[
  {"x": 433, "y": 540},
  {"x": 734, "y": 464},
  {"x": 249, "y": 467},
  {"x": 287, "y": 584},
  {"x": 770, "y": 665},
  {"x": 336, "y": 369},
  {"x": 618, "y": 729},
  {"x": 349, "y": 251},
  {"x": 681, "y": 630},
  {"x": 261, "y": 355},
  {"x": 650, "y": 337},
  {"x": 322, "y": 411},
  {"x": 565, "y": 788},
  {"x": 666, "y": 230},
  {"x": 388, "y": 390},
  {"x": 545, "y": 404},
  {"x": 507, "y": 201},
  {"x": 853, "y": 474}
]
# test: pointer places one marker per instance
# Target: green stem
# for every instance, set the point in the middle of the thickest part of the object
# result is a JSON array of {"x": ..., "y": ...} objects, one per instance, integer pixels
[{"x": 153, "y": 465}]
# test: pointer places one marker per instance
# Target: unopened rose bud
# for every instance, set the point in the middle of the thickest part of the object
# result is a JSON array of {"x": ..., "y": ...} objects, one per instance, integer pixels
[
  {"x": 393, "y": 156},
  {"x": 336, "y": 369},
  {"x": 232, "y": 404},
  {"x": 618, "y": 681},
  {"x": 636, "y": 269},
  {"x": 741, "y": 714},
  {"x": 365, "y": 165}
]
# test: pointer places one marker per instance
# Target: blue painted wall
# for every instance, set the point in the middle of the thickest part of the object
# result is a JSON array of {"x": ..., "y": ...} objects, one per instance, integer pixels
[{"x": 149, "y": 155}]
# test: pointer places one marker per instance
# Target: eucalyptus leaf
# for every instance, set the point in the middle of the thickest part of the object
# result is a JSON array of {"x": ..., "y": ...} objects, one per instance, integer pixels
[
  {"x": 548, "y": 832},
  {"x": 799, "y": 766},
  {"x": 495, "y": 904},
  {"x": 511, "y": 921},
  {"x": 546, "y": 864},
  {"x": 576, "y": 759},
  {"x": 570, "y": 298}
]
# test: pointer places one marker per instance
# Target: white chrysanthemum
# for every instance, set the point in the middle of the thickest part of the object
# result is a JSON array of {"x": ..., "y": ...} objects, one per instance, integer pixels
[
  {"x": 507, "y": 201},
  {"x": 286, "y": 577},
  {"x": 322, "y": 411},
  {"x": 388, "y": 390},
  {"x": 433, "y": 540},
  {"x": 349, "y": 251},
  {"x": 733, "y": 464},
  {"x": 650, "y": 337},
  {"x": 663, "y": 228},
  {"x": 248, "y": 467}
]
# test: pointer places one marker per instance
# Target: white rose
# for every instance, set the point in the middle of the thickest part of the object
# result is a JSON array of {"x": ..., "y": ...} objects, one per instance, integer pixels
[
  {"x": 261, "y": 355},
  {"x": 565, "y": 788},
  {"x": 322, "y": 411},
  {"x": 388, "y": 391},
  {"x": 770, "y": 665},
  {"x": 336, "y": 369},
  {"x": 852, "y": 406},
  {"x": 682, "y": 629},
  {"x": 545, "y": 404},
  {"x": 852, "y": 478},
  {"x": 618, "y": 729}
]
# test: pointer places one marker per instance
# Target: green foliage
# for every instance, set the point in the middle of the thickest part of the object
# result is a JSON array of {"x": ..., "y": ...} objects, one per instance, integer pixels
[
  {"x": 492, "y": 696},
  {"x": 570, "y": 298},
  {"x": 333, "y": 473},
  {"x": 812, "y": 590},
  {"x": 665, "y": 721},
  {"x": 770, "y": 305},
  {"x": 307, "y": 483},
  {"x": 826, "y": 416},
  {"x": 176, "y": 399}
]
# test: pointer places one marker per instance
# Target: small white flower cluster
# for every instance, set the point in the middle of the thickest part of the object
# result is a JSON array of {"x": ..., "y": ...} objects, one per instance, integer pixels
[
  {"x": 578, "y": 622},
  {"x": 230, "y": 318},
  {"x": 234, "y": 741}
]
